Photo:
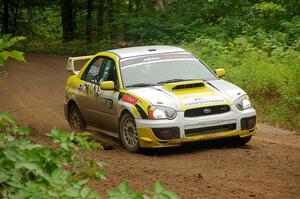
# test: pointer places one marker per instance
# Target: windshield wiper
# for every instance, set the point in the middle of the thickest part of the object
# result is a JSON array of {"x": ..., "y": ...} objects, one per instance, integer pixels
[
  {"x": 141, "y": 85},
  {"x": 173, "y": 80}
]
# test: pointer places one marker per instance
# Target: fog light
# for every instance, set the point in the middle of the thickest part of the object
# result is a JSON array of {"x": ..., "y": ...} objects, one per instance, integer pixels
[
  {"x": 248, "y": 123},
  {"x": 166, "y": 133},
  {"x": 251, "y": 123}
]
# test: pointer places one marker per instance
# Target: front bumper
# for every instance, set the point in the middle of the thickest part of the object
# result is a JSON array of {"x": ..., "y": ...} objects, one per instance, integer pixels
[{"x": 185, "y": 124}]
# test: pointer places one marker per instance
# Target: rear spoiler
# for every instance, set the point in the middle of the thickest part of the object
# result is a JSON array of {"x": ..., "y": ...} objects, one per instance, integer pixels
[{"x": 71, "y": 61}]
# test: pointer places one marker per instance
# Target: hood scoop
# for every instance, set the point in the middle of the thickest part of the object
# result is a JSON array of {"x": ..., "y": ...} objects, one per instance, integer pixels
[{"x": 184, "y": 85}]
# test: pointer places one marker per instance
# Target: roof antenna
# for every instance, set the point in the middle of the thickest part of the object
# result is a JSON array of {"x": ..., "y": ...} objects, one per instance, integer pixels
[{"x": 152, "y": 49}]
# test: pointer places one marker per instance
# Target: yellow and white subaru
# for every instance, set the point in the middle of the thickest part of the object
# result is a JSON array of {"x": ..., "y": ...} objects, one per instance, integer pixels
[{"x": 155, "y": 96}]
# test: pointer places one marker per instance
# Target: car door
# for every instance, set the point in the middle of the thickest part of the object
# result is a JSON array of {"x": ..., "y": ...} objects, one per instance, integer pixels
[
  {"x": 107, "y": 100},
  {"x": 87, "y": 89}
]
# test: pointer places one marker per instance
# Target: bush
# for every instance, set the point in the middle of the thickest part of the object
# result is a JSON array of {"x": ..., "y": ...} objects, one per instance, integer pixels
[
  {"x": 76, "y": 47},
  {"x": 29, "y": 170},
  {"x": 6, "y": 42},
  {"x": 270, "y": 77}
]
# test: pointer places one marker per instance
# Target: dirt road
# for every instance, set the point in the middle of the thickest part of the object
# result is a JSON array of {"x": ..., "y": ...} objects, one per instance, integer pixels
[{"x": 268, "y": 167}]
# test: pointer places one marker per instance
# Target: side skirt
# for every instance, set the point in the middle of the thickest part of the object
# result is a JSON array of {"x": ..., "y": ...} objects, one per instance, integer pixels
[{"x": 109, "y": 133}]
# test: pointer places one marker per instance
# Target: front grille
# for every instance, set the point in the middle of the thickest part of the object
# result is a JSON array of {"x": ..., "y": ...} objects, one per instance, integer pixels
[
  {"x": 209, "y": 110},
  {"x": 209, "y": 130}
]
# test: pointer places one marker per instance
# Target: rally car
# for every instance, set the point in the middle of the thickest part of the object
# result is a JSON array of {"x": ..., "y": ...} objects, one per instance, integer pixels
[{"x": 155, "y": 96}]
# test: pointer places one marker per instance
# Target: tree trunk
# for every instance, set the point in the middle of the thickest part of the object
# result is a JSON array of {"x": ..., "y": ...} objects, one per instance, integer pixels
[
  {"x": 67, "y": 19},
  {"x": 16, "y": 17},
  {"x": 138, "y": 7},
  {"x": 161, "y": 4},
  {"x": 110, "y": 10},
  {"x": 5, "y": 17},
  {"x": 130, "y": 6},
  {"x": 100, "y": 19},
  {"x": 88, "y": 33}
]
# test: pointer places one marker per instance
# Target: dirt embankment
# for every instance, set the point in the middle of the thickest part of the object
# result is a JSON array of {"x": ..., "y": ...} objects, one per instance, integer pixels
[{"x": 268, "y": 167}]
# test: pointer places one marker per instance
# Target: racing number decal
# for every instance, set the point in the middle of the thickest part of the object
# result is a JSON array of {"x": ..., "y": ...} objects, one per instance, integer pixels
[{"x": 109, "y": 103}]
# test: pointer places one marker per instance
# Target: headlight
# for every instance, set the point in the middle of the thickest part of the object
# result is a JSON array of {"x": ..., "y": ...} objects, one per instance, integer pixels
[
  {"x": 161, "y": 112},
  {"x": 242, "y": 103}
]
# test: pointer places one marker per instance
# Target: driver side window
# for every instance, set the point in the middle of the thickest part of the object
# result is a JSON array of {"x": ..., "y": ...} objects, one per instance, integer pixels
[
  {"x": 91, "y": 74},
  {"x": 108, "y": 71}
]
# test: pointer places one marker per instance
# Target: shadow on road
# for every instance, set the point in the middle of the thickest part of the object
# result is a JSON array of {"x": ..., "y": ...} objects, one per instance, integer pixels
[
  {"x": 110, "y": 143},
  {"x": 195, "y": 146}
]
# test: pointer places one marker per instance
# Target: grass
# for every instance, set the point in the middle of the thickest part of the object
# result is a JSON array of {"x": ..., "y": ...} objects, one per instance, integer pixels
[{"x": 271, "y": 80}]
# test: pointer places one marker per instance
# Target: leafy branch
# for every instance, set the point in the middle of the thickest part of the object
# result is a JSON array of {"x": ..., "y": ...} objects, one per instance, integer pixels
[
  {"x": 29, "y": 170},
  {"x": 6, "y": 42}
]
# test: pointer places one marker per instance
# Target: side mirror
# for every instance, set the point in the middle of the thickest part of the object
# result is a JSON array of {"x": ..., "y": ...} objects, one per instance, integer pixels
[
  {"x": 108, "y": 85},
  {"x": 220, "y": 72}
]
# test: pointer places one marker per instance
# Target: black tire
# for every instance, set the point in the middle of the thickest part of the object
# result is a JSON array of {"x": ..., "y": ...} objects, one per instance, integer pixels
[
  {"x": 241, "y": 141},
  {"x": 76, "y": 122},
  {"x": 128, "y": 133}
]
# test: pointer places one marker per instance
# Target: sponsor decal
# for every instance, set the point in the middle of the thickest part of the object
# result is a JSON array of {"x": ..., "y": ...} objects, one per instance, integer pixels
[
  {"x": 82, "y": 88},
  {"x": 213, "y": 122},
  {"x": 204, "y": 100},
  {"x": 129, "y": 99},
  {"x": 150, "y": 58}
]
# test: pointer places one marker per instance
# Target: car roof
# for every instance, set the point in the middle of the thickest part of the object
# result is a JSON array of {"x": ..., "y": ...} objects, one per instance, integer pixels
[{"x": 145, "y": 50}]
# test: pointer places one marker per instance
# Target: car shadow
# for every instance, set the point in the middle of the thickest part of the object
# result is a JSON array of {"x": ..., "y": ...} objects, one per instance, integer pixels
[
  {"x": 110, "y": 143},
  {"x": 107, "y": 142},
  {"x": 185, "y": 148}
]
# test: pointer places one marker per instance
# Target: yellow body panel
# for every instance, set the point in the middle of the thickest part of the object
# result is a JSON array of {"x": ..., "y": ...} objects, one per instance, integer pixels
[
  {"x": 108, "y": 85},
  {"x": 149, "y": 140},
  {"x": 190, "y": 93},
  {"x": 143, "y": 103},
  {"x": 220, "y": 72}
]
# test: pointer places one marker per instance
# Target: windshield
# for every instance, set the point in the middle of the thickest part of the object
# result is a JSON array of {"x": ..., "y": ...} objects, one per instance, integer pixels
[{"x": 164, "y": 68}]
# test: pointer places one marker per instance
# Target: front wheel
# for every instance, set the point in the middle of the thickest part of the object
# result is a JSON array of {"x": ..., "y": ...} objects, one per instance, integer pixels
[
  {"x": 75, "y": 120},
  {"x": 128, "y": 133}
]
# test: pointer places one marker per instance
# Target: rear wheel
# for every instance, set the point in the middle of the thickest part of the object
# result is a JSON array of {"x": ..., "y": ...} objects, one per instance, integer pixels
[
  {"x": 75, "y": 120},
  {"x": 241, "y": 141},
  {"x": 128, "y": 133}
]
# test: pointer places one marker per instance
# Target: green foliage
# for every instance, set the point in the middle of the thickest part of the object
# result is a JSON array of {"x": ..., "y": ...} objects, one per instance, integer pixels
[
  {"x": 75, "y": 47},
  {"x": 270, "y": 75},
  {"x": 123, "y": 192},
  {"x": 158, "y": 192},
  {"x": 144, "y": 22},
  {"x": 269, "y": 7},
  {"x": 29, "y": 170},
  {"x": 6, "y": 42}
]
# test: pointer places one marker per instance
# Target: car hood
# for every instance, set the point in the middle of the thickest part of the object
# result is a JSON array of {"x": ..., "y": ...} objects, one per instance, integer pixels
[{"x": 215, "y": 92}]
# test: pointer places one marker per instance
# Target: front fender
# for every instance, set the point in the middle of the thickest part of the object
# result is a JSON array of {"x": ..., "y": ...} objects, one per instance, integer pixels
[{"x": 125, "y": 106}]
